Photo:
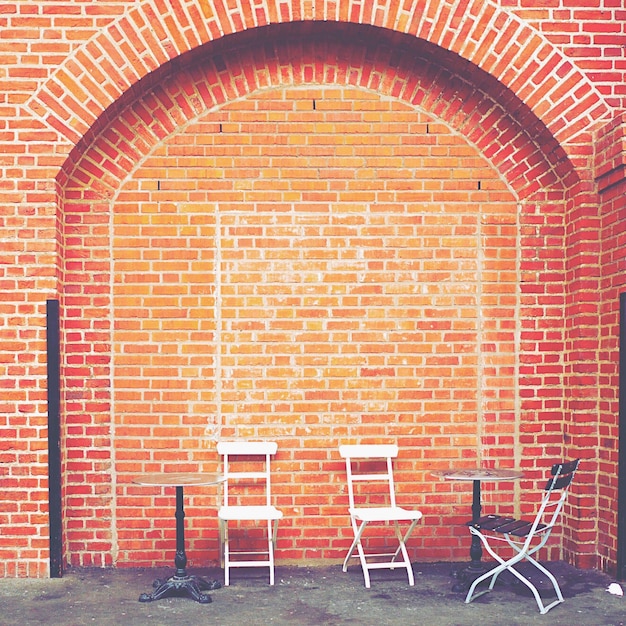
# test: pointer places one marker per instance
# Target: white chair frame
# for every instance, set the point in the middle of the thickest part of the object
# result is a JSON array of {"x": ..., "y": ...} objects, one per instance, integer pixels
[
  {"x": 524, "y": 537},
  {"x": 261, "y": 451},
  {"x": 360, "y": 516}
]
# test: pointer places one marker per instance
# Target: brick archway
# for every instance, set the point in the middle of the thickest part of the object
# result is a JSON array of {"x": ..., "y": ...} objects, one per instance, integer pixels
[
  {"x": 480, "y": 33},
  {"x": 99, "y": 167},
  {"x": 515, "y": 142}
]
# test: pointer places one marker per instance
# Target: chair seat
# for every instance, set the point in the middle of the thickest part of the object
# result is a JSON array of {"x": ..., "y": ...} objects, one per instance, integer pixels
[
  {"x": 249, "y": 513},
  {"x": 506, "y": 525},
  {"x": 385, "y": 514}
]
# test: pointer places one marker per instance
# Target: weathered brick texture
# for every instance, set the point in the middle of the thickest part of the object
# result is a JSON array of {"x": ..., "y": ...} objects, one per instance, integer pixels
[{"x": 344, "y": 221}]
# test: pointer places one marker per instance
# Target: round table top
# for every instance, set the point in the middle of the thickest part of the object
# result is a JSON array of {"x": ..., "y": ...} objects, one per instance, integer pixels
[
  {"x": 478, "y": 473},
  {"x": 179, "y": 479}
]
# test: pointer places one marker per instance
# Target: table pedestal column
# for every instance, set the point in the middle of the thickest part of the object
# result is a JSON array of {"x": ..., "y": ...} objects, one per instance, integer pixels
[{"x": 475, "y": 567}]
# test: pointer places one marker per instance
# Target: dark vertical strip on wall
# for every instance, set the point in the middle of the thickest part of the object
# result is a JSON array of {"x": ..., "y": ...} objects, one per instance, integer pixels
[
  {"x": 621, "y": 505},
  {"x": 53, "y": 347}
]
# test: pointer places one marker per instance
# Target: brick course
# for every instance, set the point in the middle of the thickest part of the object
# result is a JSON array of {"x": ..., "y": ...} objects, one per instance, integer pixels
[{"x": 312, "y": 232}]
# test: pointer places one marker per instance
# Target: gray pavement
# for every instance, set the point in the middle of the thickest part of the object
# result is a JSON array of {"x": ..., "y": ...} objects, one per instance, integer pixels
[{"x": 305, "y": 596}]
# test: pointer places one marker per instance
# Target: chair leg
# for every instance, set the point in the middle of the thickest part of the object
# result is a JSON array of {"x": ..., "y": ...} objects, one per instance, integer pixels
[
  {"x": 509, "y": 565},
  {"x": 402, "y": 549},
  {"x": 271, "y": 534},
  {"x": 492, "y": 573},
  {"x": 226, "y": 556},
  {"x": 349, "y": 555},
  {"x": 358, "y": 531},
  {"x": 557, "y": 590},
  {"x": 364, "y": 566},
  {"x": 358, "y": 546},
  {"x": 220, "y": 527},
  {"x": 543, "y": 609},
  {"x": 534, "y": 591}
]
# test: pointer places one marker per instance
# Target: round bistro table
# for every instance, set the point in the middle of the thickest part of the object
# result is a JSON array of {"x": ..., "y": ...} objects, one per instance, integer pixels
[
  {"x": 181, "y": 583},
  {"x": 476, "y": 476}
]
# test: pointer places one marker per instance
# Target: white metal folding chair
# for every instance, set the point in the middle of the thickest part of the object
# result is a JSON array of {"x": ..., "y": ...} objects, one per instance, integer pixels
[
  {"x": 247, "y": 498},
  {"x": 525, "y": 537},
  {"x": 372, "y": 499}
]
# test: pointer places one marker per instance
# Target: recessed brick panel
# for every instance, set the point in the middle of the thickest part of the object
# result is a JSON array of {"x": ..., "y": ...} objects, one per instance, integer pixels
[{"x": 316, "y": 265}]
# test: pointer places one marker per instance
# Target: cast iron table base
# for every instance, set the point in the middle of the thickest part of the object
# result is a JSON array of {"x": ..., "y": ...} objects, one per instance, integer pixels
[
  {"x": 185, "y": 585},
  {"x": 181, "y": 583}
]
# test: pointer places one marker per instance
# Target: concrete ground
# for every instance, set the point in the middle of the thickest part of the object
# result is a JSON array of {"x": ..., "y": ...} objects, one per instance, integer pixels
[{"x": 305, "y": 596}]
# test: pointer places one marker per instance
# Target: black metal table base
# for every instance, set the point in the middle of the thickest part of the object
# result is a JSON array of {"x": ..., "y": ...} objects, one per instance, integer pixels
[
  {"x": 181, "y": 584},
  {"x": 185, "y": 586},
  {"x": 475, "y": 568}
]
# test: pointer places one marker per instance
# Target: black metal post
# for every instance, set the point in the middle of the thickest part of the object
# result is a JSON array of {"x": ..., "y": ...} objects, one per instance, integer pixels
[
  {"x": 180, "y": 561},
  {"x": 476, "y": 550},
  {"x": 53, "y": 349},
  {"x": 475, "y": 567},
  {"x": 621, "y": 485}
]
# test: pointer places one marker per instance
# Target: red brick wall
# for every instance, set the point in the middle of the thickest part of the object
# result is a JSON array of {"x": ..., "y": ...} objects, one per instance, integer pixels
[
  {"x": 312, "y": 234},
  {"x": 610, "y": 169}
]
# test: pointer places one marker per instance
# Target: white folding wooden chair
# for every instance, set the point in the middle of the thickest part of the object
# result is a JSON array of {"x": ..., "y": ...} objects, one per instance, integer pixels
[
  {"x": 525, "y": 537},
  {"x": 372, "y": 500},
  {"x": 247, "y": 498}
]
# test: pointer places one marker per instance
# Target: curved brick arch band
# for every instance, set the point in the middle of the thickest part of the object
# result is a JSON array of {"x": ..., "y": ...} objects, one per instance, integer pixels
[
  {"x": 108, "y": 153},
  {"x": 480, "y": 32}
]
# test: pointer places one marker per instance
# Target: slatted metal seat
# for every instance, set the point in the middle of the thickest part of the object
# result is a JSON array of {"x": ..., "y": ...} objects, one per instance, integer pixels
[{"x": 506, "y": 525}]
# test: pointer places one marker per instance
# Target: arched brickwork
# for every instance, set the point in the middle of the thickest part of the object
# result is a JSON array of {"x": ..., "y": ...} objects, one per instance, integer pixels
[
  {"x": 515, "y": 143},
  {"x": 138, "y": 129},
  {"x": 478, "y": 31}
]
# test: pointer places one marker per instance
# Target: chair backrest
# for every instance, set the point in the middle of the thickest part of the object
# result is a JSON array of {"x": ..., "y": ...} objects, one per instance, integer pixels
[
  {"x": 370, "y": 465},
  {"x": 246, "y": 465},
  {"x": 555, "y": 492}
]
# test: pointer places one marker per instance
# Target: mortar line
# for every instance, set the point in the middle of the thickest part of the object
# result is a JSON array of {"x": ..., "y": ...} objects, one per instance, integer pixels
[
  {"x": 218, "y": 325},
  {"x": 113, "y": 429},
  {"x": 517, "y": 453}
]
